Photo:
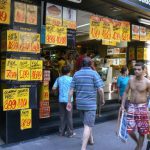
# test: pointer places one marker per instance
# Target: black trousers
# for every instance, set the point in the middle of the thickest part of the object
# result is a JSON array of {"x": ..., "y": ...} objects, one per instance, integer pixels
[{"x": 66, "y": 122}]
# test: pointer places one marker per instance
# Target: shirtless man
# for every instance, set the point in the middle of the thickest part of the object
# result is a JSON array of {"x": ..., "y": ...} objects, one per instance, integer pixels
[{"x": 137, "y": 113}]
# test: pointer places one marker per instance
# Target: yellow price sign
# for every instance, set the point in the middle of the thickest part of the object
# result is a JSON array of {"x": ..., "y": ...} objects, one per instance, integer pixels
[
  {"x": 14, "y": 99},
  {"x": 23, "y": 70},
  {"x": 36, "y": 69},
  {"x": 5, "y": 11},
  {"x": 25, "y": 119}
]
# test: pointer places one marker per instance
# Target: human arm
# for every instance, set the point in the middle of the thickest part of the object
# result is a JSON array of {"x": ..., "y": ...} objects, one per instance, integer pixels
[
  {"x": 55, "y": 86},
  {"x": 69, "y": 105},
  {"x": 101, "y": 93}
]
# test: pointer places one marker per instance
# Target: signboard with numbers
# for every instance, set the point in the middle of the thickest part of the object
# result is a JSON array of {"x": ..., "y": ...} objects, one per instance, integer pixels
[
  {"x": 14, "y": 99},
  {"x": 25, "y": 119},
  {"x": 5, "y": 11}
]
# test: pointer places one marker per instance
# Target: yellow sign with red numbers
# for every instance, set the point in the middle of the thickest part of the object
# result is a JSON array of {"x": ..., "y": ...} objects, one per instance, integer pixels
[
  {"x": 5, "y": 11},
  {"x": 25, "y": 119},
  {"x": 24, "y": 70},
  {"x": 14, "y": 99},
  {"x": 36, "y": 69}
]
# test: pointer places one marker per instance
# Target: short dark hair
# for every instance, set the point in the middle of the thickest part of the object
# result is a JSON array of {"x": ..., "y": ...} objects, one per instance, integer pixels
[
  {"x": 86, "y": 62},
  {"x": 65, "y": 69},
  {"x": 123, "y": 69},
  {"x": 140, "y": 64}
]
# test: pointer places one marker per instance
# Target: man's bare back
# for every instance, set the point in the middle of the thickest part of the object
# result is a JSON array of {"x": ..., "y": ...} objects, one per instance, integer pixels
[{"x": 139, "y": 89}]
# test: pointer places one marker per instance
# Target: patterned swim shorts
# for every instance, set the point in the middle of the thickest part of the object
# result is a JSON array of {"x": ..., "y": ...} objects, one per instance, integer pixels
[{"x": 137, "y": 118}]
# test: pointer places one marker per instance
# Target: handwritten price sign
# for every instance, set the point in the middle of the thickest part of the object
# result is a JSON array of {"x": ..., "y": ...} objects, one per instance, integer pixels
[
  {"x": 56, "y": 35},
  {"x": 14, "y": 99},
  {"x": 5, "y": 11},
  {"x": 116, "y": 30},
  {"x": 25, "y": 119},
  {"x": 125, "y": 31},
  {"x": 23, "y": 70},
  {"x": 12, "y": 40},
  {"x": 35, "y": 46},
  {"x": 36, "y": 69},
  {"x": 10, "y": 69}
]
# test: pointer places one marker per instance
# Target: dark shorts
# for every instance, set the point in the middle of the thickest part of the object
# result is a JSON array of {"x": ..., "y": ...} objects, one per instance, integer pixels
[{"x": 88, "y": 117}]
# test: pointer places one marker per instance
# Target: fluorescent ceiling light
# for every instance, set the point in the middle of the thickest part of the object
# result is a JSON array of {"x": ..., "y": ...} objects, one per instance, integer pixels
[
  {"x": 144, "y": 21},
  {"x": 75, "y": 1},
  {"x": 83, "y": 25}
]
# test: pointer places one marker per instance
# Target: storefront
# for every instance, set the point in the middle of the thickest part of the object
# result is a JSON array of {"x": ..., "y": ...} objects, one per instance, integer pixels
[{"x": 38, "y": 37}]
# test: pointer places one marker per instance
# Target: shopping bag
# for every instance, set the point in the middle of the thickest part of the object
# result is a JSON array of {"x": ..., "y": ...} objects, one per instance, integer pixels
[{"x": 122, "y": 126}]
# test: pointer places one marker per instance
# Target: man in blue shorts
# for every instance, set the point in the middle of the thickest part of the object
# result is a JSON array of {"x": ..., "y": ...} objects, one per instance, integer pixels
[{"x": 86, "y": 82}]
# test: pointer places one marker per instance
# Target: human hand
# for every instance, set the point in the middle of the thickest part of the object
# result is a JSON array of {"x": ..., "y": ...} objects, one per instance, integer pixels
[
  {"x": 103, "y": 103},
  {"x": 122, "y": 109},
  {"x": 69, "y": 106}
]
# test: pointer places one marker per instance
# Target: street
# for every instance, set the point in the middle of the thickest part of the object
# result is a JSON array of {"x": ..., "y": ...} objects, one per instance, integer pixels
[{"x": 104, "y": 136}]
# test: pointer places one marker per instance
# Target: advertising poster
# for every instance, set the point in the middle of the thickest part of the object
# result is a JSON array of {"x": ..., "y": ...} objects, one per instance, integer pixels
[
  {"x": 148, "y": 34},
  {"x": 125, "y": 31},
  {"x": 31, "y": 17},
  {"x": 131, "y": 53},
  {"x": 69, "y": 18},
  {"x": 20, "y": 12},
  {"x": 23, "y": 70},
  {"x": 25, "y": 119},
  {"x": 5, "y": 11},
  {"x": 140, "y": 53},
  {"x": 107, "y": 28},
  {"x": 35, "y": 43},
  {"x": 142, "y": 33},
  {"x": 116, "y": 36},
  {"x": 25, "y": 41},
  {"x": 12, "y": 40},
  {"x": 11, "y": 66},
  {"x": 135, "y": 32},
  {"x": 14, "y": 99},
  {"x": 44, "y": 112},
  {"x": 53, "y": 14},
  {"x": 36, "y": 69},
  {"x": 95, "y": 28}
]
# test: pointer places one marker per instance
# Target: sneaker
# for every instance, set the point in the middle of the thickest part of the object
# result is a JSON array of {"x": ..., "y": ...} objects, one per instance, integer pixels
[{"x": 71, "y": 135}]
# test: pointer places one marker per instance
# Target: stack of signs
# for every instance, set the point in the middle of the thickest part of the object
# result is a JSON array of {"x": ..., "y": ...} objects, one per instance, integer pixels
[{"x": 44, "y": 98}]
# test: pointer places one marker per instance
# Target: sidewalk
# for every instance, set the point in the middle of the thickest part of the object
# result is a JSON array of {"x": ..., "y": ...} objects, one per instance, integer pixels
[{"x": 104, "y": 135}]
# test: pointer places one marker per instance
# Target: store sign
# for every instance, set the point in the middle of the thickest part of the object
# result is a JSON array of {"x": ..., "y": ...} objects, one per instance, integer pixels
[
  {"x": 25, "y": 119},
  {"x": 5, "y": 11},
  {"x": 14, "y": 99}
]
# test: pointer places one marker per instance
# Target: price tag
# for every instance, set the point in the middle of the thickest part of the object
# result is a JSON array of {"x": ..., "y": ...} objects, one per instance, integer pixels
[
  {"x": 14, "y": 99},
  {"x": 23, "y": 70},
  {"x": 25, "y": 119},
  {"x": 36, "y": 69},
  {"x": 5, "y": 11}
]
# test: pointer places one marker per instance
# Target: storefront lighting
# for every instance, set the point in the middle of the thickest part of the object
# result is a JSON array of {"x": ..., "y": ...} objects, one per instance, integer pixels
[
  {"x": 144, "y": 21},
  {"x": 83, "y": 25},
  {"x": 75, "y": 1}
]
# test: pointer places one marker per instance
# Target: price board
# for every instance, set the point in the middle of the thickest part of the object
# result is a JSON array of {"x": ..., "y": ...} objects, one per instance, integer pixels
[
  {"x": 5, "y": 11},
  {"x": 14, "y": 99},
  {"x": 36, "y": 69},
  {"x": 25, "y": 119},
  {"x": 24, "y": 70}
]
